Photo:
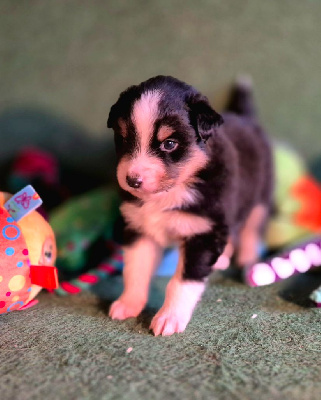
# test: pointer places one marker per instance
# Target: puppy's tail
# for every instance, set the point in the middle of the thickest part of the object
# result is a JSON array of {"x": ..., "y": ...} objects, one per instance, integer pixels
[{"x": 241, "y": 99}]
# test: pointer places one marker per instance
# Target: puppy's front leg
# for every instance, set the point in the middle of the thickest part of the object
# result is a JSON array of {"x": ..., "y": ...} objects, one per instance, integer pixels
[
  {"x": 184, "y": 290},
  {"x": 140, "y": 261}
]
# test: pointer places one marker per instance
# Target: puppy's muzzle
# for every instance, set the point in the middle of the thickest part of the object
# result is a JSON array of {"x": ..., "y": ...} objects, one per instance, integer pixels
[{"x": 134, "y": 181}]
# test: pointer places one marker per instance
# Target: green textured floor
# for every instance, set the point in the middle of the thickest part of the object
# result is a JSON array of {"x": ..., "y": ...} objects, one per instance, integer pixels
[
  {"x": 63, "y": 63},
  {"x": 67, "y": 348}
]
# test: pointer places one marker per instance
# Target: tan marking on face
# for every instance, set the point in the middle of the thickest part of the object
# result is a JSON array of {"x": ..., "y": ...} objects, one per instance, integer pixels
[
  {"x": 168, "y": 191},
  {"x": 142, "y": 164},
  {"x": 123, "y": 127},
  {"x": 122, "y": 170},
  {"x": 145, "y": 112},
  {"x": 164, "y": 132},
  {"x": 197, "y": 160},
  {"x": 155, "y": 176},
  {"x": 150, "y": 169}
]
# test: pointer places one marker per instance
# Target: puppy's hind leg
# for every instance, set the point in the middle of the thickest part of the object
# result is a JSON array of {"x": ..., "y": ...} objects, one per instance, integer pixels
[
  {"x": 140, "y": 261},
  {"x": 251, "y": 235},
  {"x": 224, "y": 260}
]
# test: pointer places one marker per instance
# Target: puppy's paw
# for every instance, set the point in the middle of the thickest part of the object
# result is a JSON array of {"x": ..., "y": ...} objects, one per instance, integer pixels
[
  {"x": 122, "y": 309},
  {"x": 167, "y": 321},
  {"x": 222, "y": 263}
]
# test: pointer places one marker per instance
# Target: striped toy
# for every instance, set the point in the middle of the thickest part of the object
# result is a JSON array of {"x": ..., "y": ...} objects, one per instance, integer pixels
[{"x": 296, "y": 260}]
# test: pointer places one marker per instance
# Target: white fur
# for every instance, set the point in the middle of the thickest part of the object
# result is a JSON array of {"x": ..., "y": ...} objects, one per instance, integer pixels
[
  {"x": 141, "y": 164},
  {"x": 175, "y": 314},
  {"x": 180, "y": 301},
  {"x": 149, "y": 169},
  {"x": 157, "y": 218},
  {"x": 144, "y": 114}
]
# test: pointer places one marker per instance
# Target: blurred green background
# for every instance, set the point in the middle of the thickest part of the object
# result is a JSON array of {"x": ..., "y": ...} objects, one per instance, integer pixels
[{"x": 64, "y": 63}]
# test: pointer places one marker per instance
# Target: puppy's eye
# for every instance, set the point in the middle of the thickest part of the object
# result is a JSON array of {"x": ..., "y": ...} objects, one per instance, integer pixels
[{"x": 168, "y": 145}]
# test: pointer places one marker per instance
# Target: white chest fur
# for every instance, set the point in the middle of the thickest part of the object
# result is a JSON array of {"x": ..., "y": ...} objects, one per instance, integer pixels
[{"x": 166, "y": 226}]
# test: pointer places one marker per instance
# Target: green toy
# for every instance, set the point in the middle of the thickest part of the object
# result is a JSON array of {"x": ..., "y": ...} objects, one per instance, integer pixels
[{"x": 79, "y": 222}]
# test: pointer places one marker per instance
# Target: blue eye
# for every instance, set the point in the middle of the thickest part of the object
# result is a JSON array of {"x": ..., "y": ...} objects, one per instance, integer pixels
[{"x": 168, "y": 145}]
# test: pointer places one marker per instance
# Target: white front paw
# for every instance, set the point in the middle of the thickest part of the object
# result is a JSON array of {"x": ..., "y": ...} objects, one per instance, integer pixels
[
  {"x": 167, "y": 321},
  {"x": 122, "y": 309}
]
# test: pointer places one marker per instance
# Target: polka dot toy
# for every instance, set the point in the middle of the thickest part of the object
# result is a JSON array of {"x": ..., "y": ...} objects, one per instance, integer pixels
[
  {"x": 14, "y": 280},
  {"x": 26, "y": 240}
]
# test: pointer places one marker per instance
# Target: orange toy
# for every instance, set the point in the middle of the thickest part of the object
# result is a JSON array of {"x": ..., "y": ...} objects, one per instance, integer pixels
[{"x": 27, "y": 251}]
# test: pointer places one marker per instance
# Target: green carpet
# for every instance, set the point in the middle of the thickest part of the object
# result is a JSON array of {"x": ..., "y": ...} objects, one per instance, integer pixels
[{"x": 68, "y": 348}]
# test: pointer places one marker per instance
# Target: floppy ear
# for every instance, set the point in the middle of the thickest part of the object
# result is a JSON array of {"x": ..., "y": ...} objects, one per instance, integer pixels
[
  {"x": 122, "y": 107},
  {"x": 203, "y": 118},
  {"x": 113, "y": 115}
]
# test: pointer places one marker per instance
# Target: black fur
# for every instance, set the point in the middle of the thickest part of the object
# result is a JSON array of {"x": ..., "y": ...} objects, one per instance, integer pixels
[
  {"x": 201, "y": 251},
  {"x": 238, "y": 177}
]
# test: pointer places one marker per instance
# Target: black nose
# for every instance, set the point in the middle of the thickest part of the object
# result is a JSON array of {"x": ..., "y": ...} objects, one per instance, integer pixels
[{"x": 134, "y": 181}]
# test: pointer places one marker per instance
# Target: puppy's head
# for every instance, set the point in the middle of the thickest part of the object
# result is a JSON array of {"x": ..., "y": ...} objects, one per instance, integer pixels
[{"x": 161, "y": 127}]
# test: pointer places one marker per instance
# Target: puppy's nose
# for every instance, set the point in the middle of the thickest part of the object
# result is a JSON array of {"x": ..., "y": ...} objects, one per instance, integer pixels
[{"x": 134, "y": 181}]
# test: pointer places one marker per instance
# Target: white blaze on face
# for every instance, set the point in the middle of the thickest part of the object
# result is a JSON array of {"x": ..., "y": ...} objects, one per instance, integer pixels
[
  {"x": 144, "y": 114},
  {"x": 149, "y": 168}
]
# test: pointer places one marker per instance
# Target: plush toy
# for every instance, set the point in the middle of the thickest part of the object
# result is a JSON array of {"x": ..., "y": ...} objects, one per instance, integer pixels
[
  {"x": 81, "y": 223},
  {"x": 295, "y": 227},
  {"x": 297, "y": 201},
  {"x": 27, "y": 249}
]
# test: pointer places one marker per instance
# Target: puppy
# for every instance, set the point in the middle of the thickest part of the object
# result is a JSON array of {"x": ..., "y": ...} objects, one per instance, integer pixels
[{"x": 189, "y": 177}]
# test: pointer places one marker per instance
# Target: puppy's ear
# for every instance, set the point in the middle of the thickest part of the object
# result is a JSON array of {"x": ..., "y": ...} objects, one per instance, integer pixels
[
  {"x": 203, "y": 118},
  {"x": 122, "y": 107},
  {"x": 113, "y": 116}
]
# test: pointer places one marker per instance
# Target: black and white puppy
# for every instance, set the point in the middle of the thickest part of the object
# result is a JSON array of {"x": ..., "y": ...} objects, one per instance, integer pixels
[{"x": 189, "y": 178}]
